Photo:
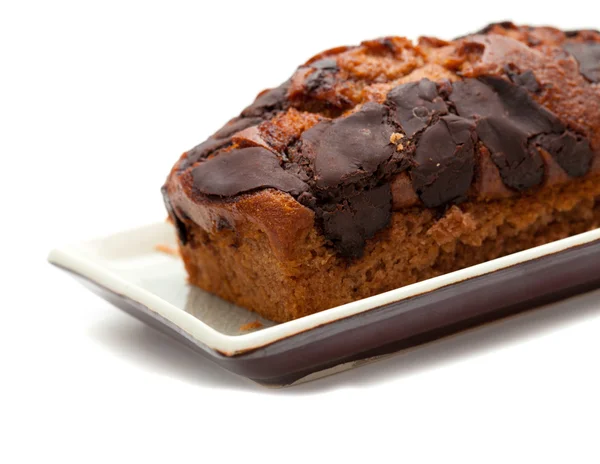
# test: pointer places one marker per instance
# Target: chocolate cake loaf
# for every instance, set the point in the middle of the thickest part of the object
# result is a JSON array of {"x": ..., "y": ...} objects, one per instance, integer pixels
[{"x": 380, "y": 165}]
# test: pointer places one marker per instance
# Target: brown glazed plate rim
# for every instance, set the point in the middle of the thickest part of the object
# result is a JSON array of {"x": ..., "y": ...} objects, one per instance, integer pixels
[{"x": 89, "y": 261}]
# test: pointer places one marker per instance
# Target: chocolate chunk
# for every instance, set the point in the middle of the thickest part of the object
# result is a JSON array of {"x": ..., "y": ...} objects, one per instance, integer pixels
[
  {"x": 349, "y": 148},
  {"x": 587, "y": 55},
  {"x": 265, "y": 103},
  {"x": 507, "y": 118},
  {"x": 223, "y": 224},
  {"x": 445, "y": 160},
  {"x": 349, "y": 224},
  {"x": 319, "y": 80},
  {"x": 325, "y": 63},
  {"x": 576, "y": 32},
  {"x": 268, "y": 101},
  {"x": 521, "y": 167},
  {"x": 382, "y": 44},
  {"x": 343, "y": 156},
  {"x": 202, "y": 151},
  {"x": 571, "y": 151},
  {"x": 572, "y": 33},
  {"x": 491, "y": 26},
  {"x": 236, "y": 125},
  {"x": 525, "y": 79},
  {"x": 323, "y": 76},
  {"x": 180, "y": 226},
  {"x": 415, "y": 105},
  {"x": 243, "y": 170},
  {"x": 218, "y": 140},
  {"x": 494, "y": 97}
]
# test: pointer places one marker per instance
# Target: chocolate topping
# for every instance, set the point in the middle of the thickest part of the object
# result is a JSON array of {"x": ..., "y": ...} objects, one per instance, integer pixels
[
  {"x": 201, "y": 151},
  {"x": 266, "y": 104},
  {"x": 348, "y": 162},
  {"x": 180, "y": 226},
  {"x": 587, "y": 55},
  {"x": 313, "y": 88},
  {"x": 526, "y": 79},
  {"x": 243, "y": 170},
  {"x": 492, "y": 26},
  {"x": 571, "y": 151},
  {"x": 323, "y": 76},
  {"x": 350, "y": 148},
  {"x": 445, "y": 158},
  {"x": 325, "y": 63},
  {"x": 507, "y": 118},
  {"x": 268, "y": 101},
  {"x": 357, "y": 219},
  {"x": 415, "y": 104},
  {"x": 576, "y": 32},
  {"x": 236, "y": 125}
]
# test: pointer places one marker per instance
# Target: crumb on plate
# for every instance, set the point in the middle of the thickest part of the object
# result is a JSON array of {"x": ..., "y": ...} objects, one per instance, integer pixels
[
  {"x": 251, "y": 325},
  {"x": 167, "y": 249}
]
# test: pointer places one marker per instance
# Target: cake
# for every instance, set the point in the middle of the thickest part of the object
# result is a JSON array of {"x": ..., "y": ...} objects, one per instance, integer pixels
[{"x": 380, "y": 165}]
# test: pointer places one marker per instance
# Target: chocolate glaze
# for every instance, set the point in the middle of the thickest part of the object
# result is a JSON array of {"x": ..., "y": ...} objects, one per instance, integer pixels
[
  {"x": 341, "y": 165},
  {"x": 201, "y": 151},
  {"x": 180, "y": 226},
  {"x": 570, "y": 150},
  {"x": 492, "y": 26},
  {"x": 348, "y": 163},
  {"x": 236, "y": 125},
  {"x": 269, "y": 101},
  {"x": 525, "y": 79},
  {"x": 242, "y": 170},
  {"x": 323, "y": 76},
  {"x": 577, "y": 32},
  {"x": 415, "y": 104},
  {"x": 313, "y": 88},
  {"x": 325, "y": 63},
  {"x": 357, "y": 219},
  {"x": 348, "y": 148},
  {"x": 507, "y": 120},
  {"x": 587, "y": 55},
  {"x": 445, "y": 158}
]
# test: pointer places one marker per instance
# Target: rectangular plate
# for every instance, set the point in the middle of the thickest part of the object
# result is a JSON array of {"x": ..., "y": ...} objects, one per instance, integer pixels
[{"x": 127, "y": 270}]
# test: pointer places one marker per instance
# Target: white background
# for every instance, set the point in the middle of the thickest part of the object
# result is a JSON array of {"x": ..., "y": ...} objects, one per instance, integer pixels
[{"x": 97, "y": 101}]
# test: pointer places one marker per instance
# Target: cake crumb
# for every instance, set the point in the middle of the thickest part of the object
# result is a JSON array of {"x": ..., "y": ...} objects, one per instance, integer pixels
[
  {"x": 399, "y": 147},
  {"x": 251, "y": 325},
  {"x": 167, "y": 249},
  {"x": 396, "y": 137}
]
